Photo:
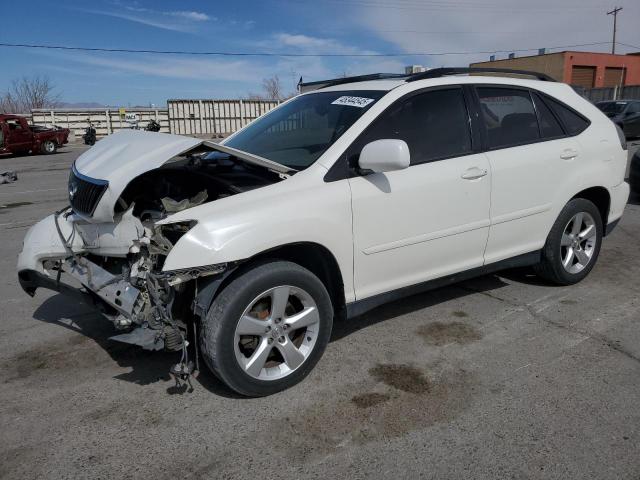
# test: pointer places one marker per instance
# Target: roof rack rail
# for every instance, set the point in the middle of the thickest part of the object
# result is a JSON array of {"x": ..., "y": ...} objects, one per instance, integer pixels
[
  {"x": 357, "y": 78},
  {"x": 441, "y": 72}
]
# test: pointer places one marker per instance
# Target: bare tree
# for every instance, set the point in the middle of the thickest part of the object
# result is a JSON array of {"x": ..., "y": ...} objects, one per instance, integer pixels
[
  {"x": 29, "y": 93},
  {"x": 272, "y": 88}
]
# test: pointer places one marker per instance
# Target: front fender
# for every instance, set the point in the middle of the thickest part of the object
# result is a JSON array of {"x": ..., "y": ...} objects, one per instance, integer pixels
[{"x": 240, "y": 228}]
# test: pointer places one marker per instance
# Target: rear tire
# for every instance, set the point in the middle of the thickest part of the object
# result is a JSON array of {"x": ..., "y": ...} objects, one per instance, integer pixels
[
  {"x": 266, "y": 329},
  {"x": 573, "y": 245}
]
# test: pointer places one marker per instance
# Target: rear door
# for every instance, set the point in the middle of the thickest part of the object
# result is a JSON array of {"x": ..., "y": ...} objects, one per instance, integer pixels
[
  {"x": 530, "y": 156},
  {"x": 432, "y": 218}
]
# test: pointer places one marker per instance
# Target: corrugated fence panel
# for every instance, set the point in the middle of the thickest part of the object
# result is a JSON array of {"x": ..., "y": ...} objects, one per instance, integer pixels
[
  {"x": 184, "y": 117},
  {"x": 105, "y": 121},
  {"x": 613, "y": 93},
  {"x": 214, "y": 117}
]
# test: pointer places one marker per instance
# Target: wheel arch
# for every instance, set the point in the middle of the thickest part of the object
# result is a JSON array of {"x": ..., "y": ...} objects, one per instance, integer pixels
[
  {"x": 315, "y": 257},
  {"x": 601, "y": 198}
]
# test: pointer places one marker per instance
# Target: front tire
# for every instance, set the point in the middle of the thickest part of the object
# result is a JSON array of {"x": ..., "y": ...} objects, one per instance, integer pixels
[
  {"x": 48, "y": 147},
  {"x": 266, "y": 329},
  {"x": 573, "y": 245}
]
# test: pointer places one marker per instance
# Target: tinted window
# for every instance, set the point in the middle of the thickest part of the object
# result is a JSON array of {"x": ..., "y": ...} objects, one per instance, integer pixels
[
  {"x": 297, "y": 133},
  {"x": 573, "y": 123},
  {"x": 549, "y": 125},
  {"x": 611, "y": 107},
  {"x": 434, "y": 124},
  {"x": 633, "y": 108},
  {"x": 509, "y": 116}
]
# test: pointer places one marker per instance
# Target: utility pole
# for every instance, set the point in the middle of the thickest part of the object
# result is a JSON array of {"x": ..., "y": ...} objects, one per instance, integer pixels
[{"x": 614, "y": 12}]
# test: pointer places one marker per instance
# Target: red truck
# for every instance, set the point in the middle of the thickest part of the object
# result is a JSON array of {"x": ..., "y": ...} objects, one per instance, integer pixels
[{"x": 17, "y": 136}]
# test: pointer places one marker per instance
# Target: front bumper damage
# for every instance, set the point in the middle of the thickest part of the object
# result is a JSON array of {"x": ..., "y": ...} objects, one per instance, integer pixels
[{"x": 61, "y": 253}]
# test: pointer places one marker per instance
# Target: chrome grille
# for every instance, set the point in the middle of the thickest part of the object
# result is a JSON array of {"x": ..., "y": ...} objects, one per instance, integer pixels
[{"x": 85, "y": 193}]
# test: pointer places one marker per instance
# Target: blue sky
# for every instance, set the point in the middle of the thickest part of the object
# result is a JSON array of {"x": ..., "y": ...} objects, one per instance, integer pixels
[{"x": 279, "y": 26}]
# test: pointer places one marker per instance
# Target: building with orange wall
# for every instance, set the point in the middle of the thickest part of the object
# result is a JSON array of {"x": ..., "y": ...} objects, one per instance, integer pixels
[{"x": 584, "y": 69}]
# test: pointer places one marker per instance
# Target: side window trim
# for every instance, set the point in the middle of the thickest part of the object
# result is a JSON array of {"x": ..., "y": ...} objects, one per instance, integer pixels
[
  {"x": 341, "y": 171},
  {"x": 535, "y": 95},
  {"x": 546, "y": 98}
]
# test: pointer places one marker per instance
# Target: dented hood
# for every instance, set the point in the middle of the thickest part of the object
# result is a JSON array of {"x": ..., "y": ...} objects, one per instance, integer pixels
[
  {"x": 129, "y": 153},
  {"x": 123, "y": 156}
]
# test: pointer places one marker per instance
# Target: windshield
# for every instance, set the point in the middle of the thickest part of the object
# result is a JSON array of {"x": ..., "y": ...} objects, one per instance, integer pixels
[
  {"x": 612, "y": 107},
  {"x": 297, "y": 133}
]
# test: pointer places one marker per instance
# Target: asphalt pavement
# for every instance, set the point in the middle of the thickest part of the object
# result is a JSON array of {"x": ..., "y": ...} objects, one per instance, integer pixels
[{"x": 503, "y": 376}]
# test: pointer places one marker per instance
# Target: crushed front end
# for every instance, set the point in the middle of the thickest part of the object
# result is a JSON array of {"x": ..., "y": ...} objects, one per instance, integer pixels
[{"x": 108, "y": 248}]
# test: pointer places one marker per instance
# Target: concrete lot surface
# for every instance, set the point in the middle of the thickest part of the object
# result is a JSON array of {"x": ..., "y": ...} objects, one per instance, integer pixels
[{"x": 499, "y": 377}]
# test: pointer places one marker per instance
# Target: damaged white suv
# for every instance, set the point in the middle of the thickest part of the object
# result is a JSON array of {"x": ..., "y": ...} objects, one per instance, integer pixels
[{"x": 338, "y": 200}]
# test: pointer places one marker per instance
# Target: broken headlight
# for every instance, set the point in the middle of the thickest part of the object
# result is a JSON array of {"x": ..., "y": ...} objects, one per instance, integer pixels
[{"x": 175, "y": 277}]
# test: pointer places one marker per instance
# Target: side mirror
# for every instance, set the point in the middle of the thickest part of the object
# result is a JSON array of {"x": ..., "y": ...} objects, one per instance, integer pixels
[{"x": 385, "y": 156}]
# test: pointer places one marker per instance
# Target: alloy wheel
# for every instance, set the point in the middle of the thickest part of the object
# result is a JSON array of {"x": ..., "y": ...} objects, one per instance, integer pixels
[
  {"x": 578, "y": 242},
  {"x": 276, "y": 333}
]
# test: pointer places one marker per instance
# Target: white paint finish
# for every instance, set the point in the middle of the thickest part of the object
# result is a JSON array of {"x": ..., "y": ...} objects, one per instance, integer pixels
[
  {"x": 415, "y": 224},
  {"x": 525, "y": 181},
  {"x": 302, "y": 208},
  {"x": 385, "y": 156},
  {"x": 386, "y": 230}
]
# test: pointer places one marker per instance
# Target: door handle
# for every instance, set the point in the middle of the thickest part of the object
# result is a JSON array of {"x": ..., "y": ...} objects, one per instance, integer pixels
[
  {"x": 568, "y": 154},
  {"x": 473, "y": 173}
]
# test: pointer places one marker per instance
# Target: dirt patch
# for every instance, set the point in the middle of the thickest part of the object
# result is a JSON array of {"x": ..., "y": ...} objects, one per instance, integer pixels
[
  {"x": 438, "y": 333},
  {"x": 568, "y": 302},
  {"x": 52, "y": 359},
  {"x": 418, "y": 400},
  {"x": 402, "y": 377},
  {"x": 368, "y": 400},
  {"x": 460, "y": 314}
]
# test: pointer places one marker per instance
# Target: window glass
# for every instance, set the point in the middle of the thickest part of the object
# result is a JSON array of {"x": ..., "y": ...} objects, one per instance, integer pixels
[
  {"x": 549, "y": 125},
  {"x": 434, "y": 124},
  {"x": 634, "y": 107},
  {"x": 573, "y": 122},
  {"x": 298, "y": 132},
  {"x": 509, "y": 116}
]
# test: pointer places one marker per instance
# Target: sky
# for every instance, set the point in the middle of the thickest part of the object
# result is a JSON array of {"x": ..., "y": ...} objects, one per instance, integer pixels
[{"x": 403, "y": 28}]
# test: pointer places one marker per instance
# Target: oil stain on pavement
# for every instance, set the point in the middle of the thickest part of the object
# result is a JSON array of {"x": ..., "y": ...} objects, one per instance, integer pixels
[{"x": 439, "y": 333}]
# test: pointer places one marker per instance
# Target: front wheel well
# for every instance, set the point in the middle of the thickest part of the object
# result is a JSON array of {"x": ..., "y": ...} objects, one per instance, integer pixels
[
  {"x": 600, "y": 197},
  {"x": 312, "y": 256}
]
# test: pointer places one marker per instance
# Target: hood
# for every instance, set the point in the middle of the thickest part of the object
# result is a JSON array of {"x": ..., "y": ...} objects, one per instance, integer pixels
[
  {"x": 129, "y": 153},
  {"x": 123, "y": 156}
]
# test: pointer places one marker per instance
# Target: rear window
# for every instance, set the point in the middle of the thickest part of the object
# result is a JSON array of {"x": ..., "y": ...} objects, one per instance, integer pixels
[
  {"x": 572, "y": 121},
  {"x": 509, "y": 116}
]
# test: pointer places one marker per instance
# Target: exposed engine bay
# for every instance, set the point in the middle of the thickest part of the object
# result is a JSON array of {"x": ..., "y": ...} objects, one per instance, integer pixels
[{"x": 118, "y": 266}]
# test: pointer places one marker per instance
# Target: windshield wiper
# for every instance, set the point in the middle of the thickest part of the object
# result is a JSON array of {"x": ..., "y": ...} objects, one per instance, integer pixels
[{"x": 251, "y": 158}]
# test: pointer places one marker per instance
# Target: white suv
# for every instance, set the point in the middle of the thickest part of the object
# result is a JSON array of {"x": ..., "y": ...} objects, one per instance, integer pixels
[{"x": 338, "y": 200}]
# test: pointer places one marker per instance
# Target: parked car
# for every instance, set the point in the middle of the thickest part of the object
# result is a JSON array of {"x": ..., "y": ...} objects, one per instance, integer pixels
[
  {"x": 634, "y": 172},
  {"x": 624, "y": 113},
  {"x": 333, "y": 203},
  {"x": 17, "y": 136}
]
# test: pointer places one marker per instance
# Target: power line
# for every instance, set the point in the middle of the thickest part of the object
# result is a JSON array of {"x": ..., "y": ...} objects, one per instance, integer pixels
[{"x": 285, "y": 54}]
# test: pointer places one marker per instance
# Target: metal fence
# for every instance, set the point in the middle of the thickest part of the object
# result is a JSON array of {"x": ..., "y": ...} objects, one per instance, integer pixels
[
  {"x": 215, "y": 117},
  {"x": 612, "y": 93},
  {"x": 185, "y": 117},
  {"x": 105, "y": 121}
]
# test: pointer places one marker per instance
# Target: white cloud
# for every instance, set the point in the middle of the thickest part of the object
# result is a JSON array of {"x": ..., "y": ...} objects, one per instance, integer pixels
[
  {"x": 504, "y": 25},
  {"x": 173, "y": 20},
  {"x": 314, "y": 45}
]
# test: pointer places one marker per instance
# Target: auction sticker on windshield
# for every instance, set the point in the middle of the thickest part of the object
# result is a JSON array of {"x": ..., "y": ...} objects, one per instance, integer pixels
[{"x": 352, "y": 101}]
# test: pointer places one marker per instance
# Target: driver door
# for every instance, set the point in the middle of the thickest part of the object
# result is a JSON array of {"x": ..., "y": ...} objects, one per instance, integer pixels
[{"x": 431, "y": 219}]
